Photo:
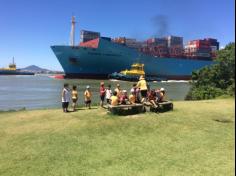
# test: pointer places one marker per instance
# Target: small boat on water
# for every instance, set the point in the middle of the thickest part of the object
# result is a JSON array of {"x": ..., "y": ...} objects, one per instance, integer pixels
[
  {"x": 12, "y": 70},
  {"x": 133, "y": 74},
  {"x": 57, "y": 76}
]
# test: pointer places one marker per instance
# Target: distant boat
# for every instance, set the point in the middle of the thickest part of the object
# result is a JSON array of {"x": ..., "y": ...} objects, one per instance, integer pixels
[
  {"x": 12, "y": 70},
  {"x": 56, "y": 76}
]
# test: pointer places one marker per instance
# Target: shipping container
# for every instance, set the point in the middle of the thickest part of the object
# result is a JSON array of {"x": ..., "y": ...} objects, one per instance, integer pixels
[
  {"x": 88, "y": 35},
  {"x": 174, "y": 40}
]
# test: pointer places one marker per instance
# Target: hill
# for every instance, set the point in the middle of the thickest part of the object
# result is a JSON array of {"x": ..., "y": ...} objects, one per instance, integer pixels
[
  {"x": 197, "y": 138},
  {"x": 36, "y": 69}
]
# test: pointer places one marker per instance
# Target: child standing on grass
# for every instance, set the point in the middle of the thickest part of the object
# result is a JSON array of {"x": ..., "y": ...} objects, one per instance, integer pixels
[
  {"x": 65, "y": 98},
  {"x": 88, "y": 97},
  {"x": 108, "y": 94},
  {"x": 102, "y": 93},
  {"x": 74, "y": 97}
]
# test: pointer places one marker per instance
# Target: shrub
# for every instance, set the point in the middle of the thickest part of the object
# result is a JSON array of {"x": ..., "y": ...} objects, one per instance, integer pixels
[{"x": 217, "y": 79}]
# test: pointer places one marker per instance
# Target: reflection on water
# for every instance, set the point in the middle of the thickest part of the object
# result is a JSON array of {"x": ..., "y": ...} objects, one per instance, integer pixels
[{"x": 34, "y": 92}]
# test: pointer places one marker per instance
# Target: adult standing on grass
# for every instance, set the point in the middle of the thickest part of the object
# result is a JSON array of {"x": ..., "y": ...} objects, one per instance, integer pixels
[
  {"x": 88, "y": 97},
  {"x": 102, "y": 93},
  {"x": 65, "y": 97},
  {"x": 74, "y": 97},
  {"x": 142, "y": 85}
]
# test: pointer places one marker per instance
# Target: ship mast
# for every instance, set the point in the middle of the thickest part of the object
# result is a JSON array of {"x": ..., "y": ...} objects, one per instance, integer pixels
[{"x": 72, "y": 33}]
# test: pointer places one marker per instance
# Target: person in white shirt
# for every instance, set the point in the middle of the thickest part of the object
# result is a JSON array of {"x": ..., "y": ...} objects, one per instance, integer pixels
[
  {"x": 65, "y": 98},
  {"x": 108, "y": 94}
]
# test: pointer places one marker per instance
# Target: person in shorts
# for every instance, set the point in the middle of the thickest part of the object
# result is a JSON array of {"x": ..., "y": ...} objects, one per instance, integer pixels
[
  {"x": 102, "y": 94},
  {"x": 88, "y": 97},
  {"x": 74, "y": 96},
  {"x": 65, "y": 97},
  {"x": 152, "y": 97},
  {"x": 142, "y": 84}
]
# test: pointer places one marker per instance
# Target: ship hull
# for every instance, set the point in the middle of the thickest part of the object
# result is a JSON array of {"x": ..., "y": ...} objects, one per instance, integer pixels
[{"x": 109, "y": 57}]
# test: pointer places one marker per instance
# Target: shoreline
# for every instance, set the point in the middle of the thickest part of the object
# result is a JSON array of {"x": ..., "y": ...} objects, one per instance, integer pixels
[{"x": 96, "y": 105}]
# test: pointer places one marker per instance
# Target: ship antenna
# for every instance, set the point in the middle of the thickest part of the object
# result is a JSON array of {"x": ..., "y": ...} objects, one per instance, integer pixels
[
  {"x": 72, "y": 33},
  {"x": 13, "y": 60}
]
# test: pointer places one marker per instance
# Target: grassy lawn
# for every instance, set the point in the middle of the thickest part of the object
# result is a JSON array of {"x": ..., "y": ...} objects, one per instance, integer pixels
[{"x": 197, "y": 138}]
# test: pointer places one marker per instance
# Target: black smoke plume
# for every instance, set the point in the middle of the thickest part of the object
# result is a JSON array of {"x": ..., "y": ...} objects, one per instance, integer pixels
[{"x": 161, "y": 25}]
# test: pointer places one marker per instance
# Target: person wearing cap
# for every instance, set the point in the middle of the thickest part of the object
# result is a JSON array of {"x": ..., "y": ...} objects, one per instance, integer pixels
[
  {"x": 118, "y": 90},
  {"x": 124, "y": 97},
  {"x": 88, "y": 97},
  {"x": 142, "y": 85},
  {"x": 163, "y": 93},
  {"x": 160, "y": 93},
  {"x": 102, "y": 93}
]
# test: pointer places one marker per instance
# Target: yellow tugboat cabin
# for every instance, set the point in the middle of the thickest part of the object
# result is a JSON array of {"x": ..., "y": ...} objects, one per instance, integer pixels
[{"x": 137, "y": 69}]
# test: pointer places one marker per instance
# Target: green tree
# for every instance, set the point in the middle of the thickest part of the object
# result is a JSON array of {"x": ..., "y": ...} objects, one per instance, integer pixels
[{"x": 217, "y": 79}]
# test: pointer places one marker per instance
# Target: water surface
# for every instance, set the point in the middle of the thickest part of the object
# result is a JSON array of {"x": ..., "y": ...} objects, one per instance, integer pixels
[{"x": 36, "y": 92}]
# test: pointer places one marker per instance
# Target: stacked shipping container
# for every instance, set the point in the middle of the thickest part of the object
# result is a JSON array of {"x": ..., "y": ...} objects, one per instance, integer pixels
[
  {"x": 205, "y": 48},
  {"x": 171, "y": 46},
  {"x": 88, "y": 35},
  {"x": 129, "y": 42}
]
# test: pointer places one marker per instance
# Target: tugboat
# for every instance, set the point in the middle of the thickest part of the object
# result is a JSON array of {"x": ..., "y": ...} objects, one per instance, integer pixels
[
  {"x": 12, "y": 70},
  {"x": 137, "y": 70}
]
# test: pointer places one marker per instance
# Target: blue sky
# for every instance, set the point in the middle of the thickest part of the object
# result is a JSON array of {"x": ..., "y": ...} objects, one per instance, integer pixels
[{"x": 29, "y": 27}]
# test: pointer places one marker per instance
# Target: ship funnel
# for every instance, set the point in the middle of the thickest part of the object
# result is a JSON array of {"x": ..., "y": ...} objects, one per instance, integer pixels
[{"x": 72, "y": 33}]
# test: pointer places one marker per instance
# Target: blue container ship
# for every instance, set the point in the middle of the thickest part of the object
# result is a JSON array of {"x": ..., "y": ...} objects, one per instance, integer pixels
[
  {"x": 100, "y": 56},
  {"x": 109, "y": 57}
]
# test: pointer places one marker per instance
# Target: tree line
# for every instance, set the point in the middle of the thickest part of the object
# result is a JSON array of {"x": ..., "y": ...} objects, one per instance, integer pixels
[{"x": 217, "y": 79}]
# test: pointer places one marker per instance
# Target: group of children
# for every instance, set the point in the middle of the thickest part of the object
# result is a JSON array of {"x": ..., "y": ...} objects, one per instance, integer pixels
[
  {"x": 139, "y": 93},
  {"x": 119, "y": 96},
  {"x": 68, "y": 95}
]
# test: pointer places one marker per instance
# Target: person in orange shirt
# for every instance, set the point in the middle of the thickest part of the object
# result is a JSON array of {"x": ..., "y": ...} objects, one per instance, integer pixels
[
  {"x": 88, "y": 97},
  {"x": 114, "y": 99}
]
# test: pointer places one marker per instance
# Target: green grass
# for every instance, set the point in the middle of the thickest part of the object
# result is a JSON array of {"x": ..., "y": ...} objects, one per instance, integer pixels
[{"x": 197, "y": 138}]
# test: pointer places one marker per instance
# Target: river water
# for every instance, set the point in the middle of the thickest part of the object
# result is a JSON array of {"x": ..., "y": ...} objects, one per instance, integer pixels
[{"x": 37, "y": 92}]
